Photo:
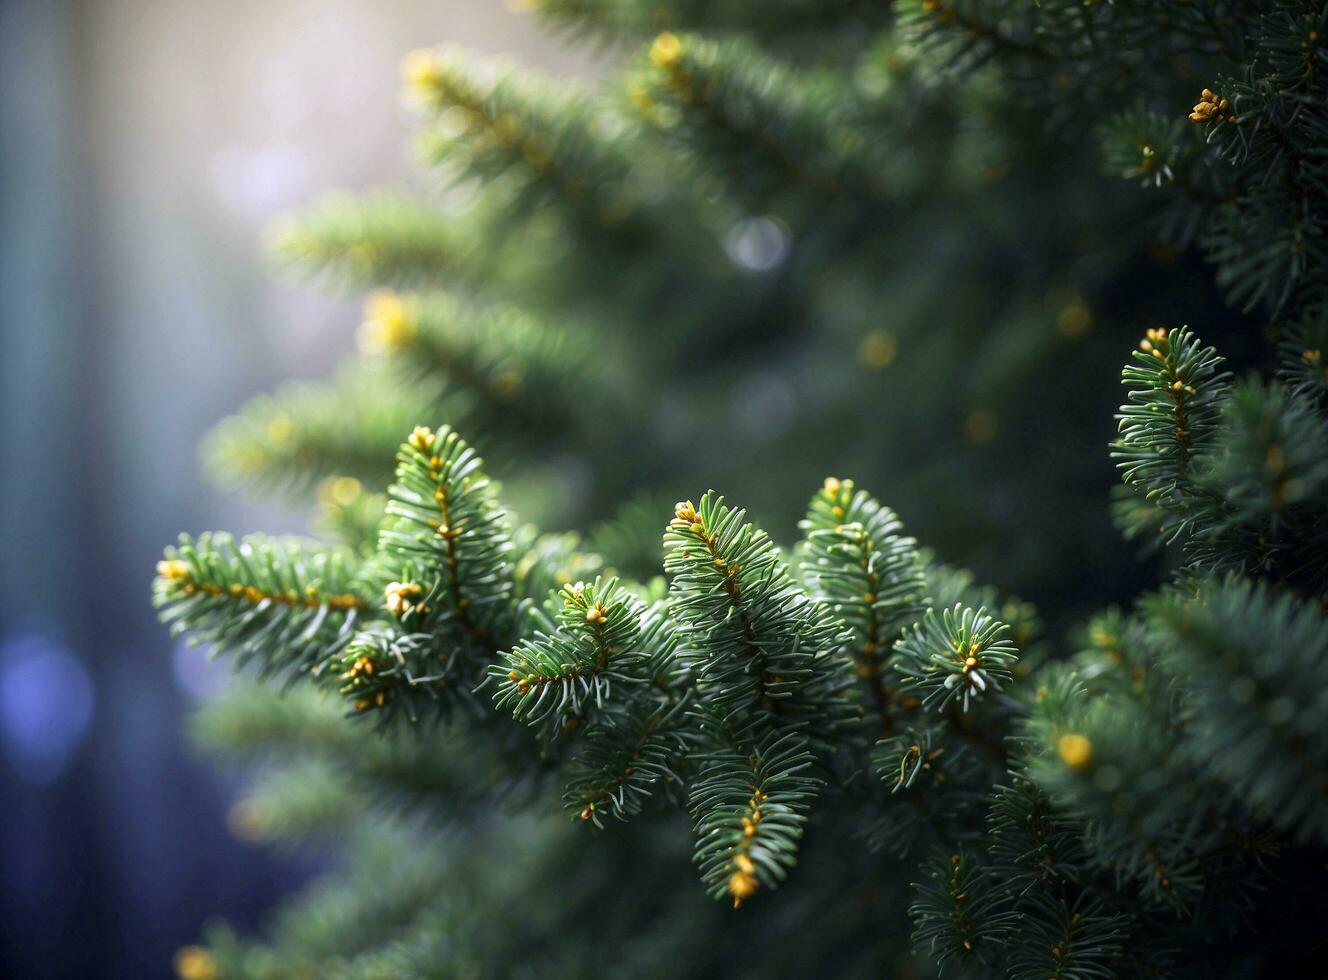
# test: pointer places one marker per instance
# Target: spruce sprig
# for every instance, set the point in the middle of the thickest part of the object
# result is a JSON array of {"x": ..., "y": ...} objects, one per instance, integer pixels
[
  {"x": 562, "y": 675},
  {"x": 958, "y": 914},
  {"x": 750, "y": 809},
  {"x": 278, "y": 602},
  {"x": 762, "y": 650},
  {"x": 1176, "y": 389},
  {"x": 858, "y": 562},
  {"x": 446, "y": 543},
  {"x": 1255, "y": 664},
  {"x": 961, "y": 655}
]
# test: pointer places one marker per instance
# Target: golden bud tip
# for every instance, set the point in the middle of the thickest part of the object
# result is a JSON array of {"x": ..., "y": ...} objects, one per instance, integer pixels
[
  {"x": 173, "y": 569},
  {"x": 1076, "y": 751},
  {"x": 195, "y": 963},
  {"x": 742, "y": 886},
  {"x": 398, "y": 597},
  {"x": 421, "y": 69},
  {"x": 666, "y": 50},
  {"x": 421, "y": 437},
  {"x": 390, "y": 321}
]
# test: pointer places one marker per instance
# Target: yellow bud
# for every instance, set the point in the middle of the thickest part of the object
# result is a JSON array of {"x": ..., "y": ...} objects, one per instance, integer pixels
[
  {"x": 280, "y": 430},
  {"x": 399, "y": 596},
  {"x": 340, "y": 490},
  {"x": 878, "y": 350},
  {"x": 742, "y": 886},
  {"x": 666, "y": 51},
  {"x": 1075, "y": 750},
  {"x": 421, "y": 69},
  {"x": 421, "y": 437},
  {"x": 173, "y": 568},
  {"x": 195, "y": 963},
  {"x": 390, "y": 322}
]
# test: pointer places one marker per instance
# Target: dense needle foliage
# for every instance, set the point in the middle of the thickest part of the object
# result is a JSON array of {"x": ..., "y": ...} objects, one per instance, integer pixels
[{"x": 736, "y": 262}]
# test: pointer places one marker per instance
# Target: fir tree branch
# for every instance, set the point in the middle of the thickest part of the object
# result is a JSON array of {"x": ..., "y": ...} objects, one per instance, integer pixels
[
  {"x": 259, "y": 599},
  {"x": 307, "y": 432},
  {"x": 554, "y": 679},
  {"x": 376, "y": 240},
  {"x": 956, "y": 657},
  {"x": 750, "y": 811},
  {"x": 860, "y": 565},
  {"x": 448, "y": 541},
  {"x": 762, "y": 651}
]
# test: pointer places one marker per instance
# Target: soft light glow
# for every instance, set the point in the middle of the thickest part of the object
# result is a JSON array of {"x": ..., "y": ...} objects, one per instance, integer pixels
[{"x": 46, "y": 701}]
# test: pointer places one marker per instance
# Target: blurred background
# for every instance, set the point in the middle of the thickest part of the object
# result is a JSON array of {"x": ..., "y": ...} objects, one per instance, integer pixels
[{"x": 144, "y": 144}]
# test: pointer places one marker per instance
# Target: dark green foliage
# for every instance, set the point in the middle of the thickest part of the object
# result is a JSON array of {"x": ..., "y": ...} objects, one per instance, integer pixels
[
  {"x": 391, "y": 671},
  {"x": 857, "y": 561},
  {"x": 446, "y": 542},
  {"x": 1172, "y": 416},
  {"x": 743, "y": 236},
  {"x": 763, "y": 652},
  {"x": 727, "y": 100},
  {"x": 1272, "y": 471},
  {"x": 556, "y": 678},
  {"x": 624, "y": 761},
  {"x": 517, "y": 372},
  {"x": 258, "y": 598},
  {"x": 750, "y": 808},
  {"x": 1254, "y": 662},
  {"x": 1074, "y": 942},
  {"x": 957, "y": 913},
  {"x": 1247, "y": 175},
  {"x": 1034, "y": 847},
  {"x": 1300, "y": 354},
  {"x": 931, "y": 776},
  {"x": 961, "y": 654},
  {"x": 489, "y": 122}
]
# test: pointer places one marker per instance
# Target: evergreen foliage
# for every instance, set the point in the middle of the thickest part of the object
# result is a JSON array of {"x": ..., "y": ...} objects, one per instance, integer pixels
[{"x": 849, "y": 720}]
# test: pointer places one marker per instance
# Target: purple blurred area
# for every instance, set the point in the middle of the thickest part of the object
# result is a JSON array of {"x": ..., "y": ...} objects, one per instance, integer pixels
[{"x": 144, "y": 144}]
